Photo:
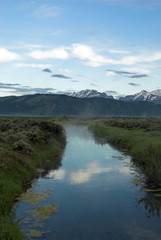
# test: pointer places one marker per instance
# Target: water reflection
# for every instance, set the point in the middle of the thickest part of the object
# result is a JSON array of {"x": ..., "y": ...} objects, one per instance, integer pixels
[
  {"x": 147, "y": 196},
  {"x": 58, "y": 174},
  {"x": 149, "y": 199},
  {"x": 100, "y": 140},
  {"x": 82, "y": 176},
  {"x": 51, "y": 164},
  {"x": 151, "y": 203}
]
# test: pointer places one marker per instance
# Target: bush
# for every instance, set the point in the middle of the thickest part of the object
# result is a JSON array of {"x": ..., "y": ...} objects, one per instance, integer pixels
[{"x": 22, "y": 146}]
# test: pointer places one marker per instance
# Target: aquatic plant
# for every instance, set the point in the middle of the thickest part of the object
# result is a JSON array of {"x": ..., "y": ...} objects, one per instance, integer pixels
[
  {"x": 31, "y": 197},
  {"x": 35, "y": 233},
  {"x": 44, "y": 211}
]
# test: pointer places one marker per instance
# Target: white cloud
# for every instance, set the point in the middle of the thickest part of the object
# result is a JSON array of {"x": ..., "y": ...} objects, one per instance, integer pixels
[
  {"x": 34, "y": 46},
  {"x": 155, "y": 57},
  {"x": 33, "y": 65},
  {"x": 90, "y": 57},
  {"x": 56, "y": 53},
  {"x": 29, "y": 47},
  {"x": 137, "y": 69},
  {"x": 110, "y": 74},
  {"x": 131, "y": 60},
  {"x": 44, "y": 11},
  {"x": 85, "y": 52},
  {"x": 82, "y": 52},
  {"x": 118, "y": 51},
  {"x": 8, "y": 92},
  {"x": 8, "y": 56}
]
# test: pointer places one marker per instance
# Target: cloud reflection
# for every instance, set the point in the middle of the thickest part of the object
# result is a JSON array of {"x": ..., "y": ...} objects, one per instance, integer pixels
[
  {"x": 83, "y": 176},
  {"x": 124, "y": 170},
  {"x": 56, "y": 174}
]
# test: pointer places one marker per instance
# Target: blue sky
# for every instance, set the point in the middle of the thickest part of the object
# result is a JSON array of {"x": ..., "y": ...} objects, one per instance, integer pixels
[{"x": 107, "y": 45}]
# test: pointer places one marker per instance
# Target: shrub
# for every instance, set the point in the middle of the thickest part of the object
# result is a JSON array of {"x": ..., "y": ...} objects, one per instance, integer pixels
[{"x": 22, "y": 146}]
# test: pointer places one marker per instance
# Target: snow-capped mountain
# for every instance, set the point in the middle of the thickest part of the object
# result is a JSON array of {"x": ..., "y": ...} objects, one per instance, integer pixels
[
  {"x": 90, "y": 94},
  {"x": 154, "y": 96}
]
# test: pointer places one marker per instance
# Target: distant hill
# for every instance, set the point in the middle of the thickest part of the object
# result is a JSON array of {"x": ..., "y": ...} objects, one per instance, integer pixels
[
  {"x": 90, "y": 94},
  {"x": 154, "y": 96},
  {"x": 60, "y": 105}
]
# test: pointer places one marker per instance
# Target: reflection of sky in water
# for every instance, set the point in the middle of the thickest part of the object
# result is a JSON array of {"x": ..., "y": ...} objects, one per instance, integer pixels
[
  {"x": 84, "y": 160},
  {"x": 95, "y": 197},
  {"x": 56, "y": 174},
  {"x": 84, "y": 175}
]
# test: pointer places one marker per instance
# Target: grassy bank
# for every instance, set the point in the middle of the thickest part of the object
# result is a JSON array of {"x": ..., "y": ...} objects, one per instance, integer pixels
[
  {"x": 140, "y": 137},
  {"x": 25, "y": 146}
]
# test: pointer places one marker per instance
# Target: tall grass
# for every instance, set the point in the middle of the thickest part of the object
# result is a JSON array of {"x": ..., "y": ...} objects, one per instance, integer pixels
[
  {"x": 9, "y": 230},
  {"x": 143, "y": 146}
]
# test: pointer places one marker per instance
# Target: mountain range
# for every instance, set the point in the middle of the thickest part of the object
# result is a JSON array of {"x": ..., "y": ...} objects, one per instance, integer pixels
[
  {"x": 89, "y": 94},
  {"x": 154, "y": 96},
  {"x": 63, "y": 105}
]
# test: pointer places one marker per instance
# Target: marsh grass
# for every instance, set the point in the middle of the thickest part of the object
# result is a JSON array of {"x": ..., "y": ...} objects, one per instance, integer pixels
[
  {"x": 25, "y": 143},
  {"x": 9, "y": 230},
  {"x": 46, "y": 151},
  {"x": 141, "y": 138}
]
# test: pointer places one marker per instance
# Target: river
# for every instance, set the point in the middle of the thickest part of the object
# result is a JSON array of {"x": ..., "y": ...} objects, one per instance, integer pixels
[{"x": 97, "y": 194}]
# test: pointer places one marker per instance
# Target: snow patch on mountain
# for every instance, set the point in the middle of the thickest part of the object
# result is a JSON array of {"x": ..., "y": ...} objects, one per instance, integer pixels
[
  {"x": 153, "y": 96},
  {"x": 90, "y": 94}
]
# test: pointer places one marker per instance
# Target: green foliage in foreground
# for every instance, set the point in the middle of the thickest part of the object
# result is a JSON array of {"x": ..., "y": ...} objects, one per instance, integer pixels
[
  {"x": 9, "y": 230},
  {"x": 25, "y": 144},
  {"x": 140, "y": 137}
]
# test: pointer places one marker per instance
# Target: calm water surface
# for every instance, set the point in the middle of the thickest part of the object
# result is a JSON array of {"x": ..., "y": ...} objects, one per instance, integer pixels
[{"x": 95, "y": 195}]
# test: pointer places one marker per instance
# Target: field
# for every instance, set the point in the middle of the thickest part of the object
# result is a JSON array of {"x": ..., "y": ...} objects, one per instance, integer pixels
[{"x": 26, "y": 146}]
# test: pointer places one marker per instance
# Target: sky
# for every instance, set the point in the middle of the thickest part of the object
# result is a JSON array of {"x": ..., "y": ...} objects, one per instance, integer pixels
[{"x": 60, "y": 46}]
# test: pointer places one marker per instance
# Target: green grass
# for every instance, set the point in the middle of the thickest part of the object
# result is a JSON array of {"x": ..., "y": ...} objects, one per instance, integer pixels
[
  {"x": 140, "y": 137},
  {"x": 46, "y": 151},
  {"x": 9, "y": 230},
  {"x": 25, "y": 145}
]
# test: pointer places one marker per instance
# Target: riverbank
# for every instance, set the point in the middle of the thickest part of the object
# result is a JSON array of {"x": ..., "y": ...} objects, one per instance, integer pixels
[
  {"x": 26, "y": 146},
  {"x": 140, "y": 137}
]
